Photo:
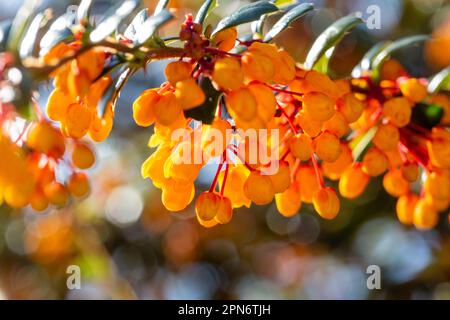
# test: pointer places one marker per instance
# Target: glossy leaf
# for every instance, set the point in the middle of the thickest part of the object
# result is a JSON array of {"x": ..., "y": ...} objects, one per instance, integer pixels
[
  {"x": 391, "y": 48},
  {"x": 323, "y": 64},
  {"x": 84, "y": 10},
  {"x": 58, "y": 32},
  {"x": 247, "y": 13},
  {"x": 206, "y": 112},
  {"x": 258, "y": 27},
  {"x": 289, "y": 17},
  {"x": 205, "y": 10},
  {"x": 136, "y": 24},
  {"x": 330, "y": 38},
  {"x": 112, "y": 21},
  {"x": 366, "y": 62},
  {"x": 440, "y": 81},
  {"x": 20, "y": 24},
  {"x": 28, "y": 41},
  {"x": 151, "y": 25},
  {"x": 162, "y": 4},
  {"x": 5, "y": 27},
  {"x": 112, "y": 93},
  {"x": 110, "y": 66}
]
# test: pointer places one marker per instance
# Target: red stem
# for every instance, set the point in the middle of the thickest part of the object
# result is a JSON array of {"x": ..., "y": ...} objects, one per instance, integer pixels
[
  {"x": 291, "y": 124},
  {"x": 284, "y": 156},
  {"x": 416, "y": 157},
  {"x": 225, "y": 176},
  {"x": 22, "y": 133},
  {"x": 284, "y": 91},
  {"x": 316, "y": 169},
  {"x": 216, "y": 177},
  {"x": 240, "y": 158},
  {"x": 38, "y": 111}
]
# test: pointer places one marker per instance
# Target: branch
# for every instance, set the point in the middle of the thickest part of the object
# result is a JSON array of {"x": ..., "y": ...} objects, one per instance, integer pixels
[{"x": 41, "y": 71}]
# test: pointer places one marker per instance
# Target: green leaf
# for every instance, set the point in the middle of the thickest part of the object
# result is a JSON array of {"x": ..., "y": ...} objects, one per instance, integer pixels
[
  {"x": 113, "y": 19},
  {"x": 366, "y": 62},
  {"x": 207, "y": 111},
  {"x": 440, "y": 81},
  {"x": 5, "y": 27},
  {"x": 28, "y": 41},
  {"x": 323, "y": 64},
  {"x": 84, "y": 11},
  {"x": 391, "y": 48},
  {"x": 281, "y": 4},
  {"x": 136, "y": 24},
  {"x": 205, "y": 10},
  {"x": 292, "y": 15},
  {"x": 112, "y": 93},
  {"x": 58, "y": 32},
  {"x": 162, "y": 4},
  {"x": 258, "y": 27},
  {"x": 360, "y": 144},
  {"x": 427, "y": 115},
  {"x": 330, "y": 38},
  {"x": 110, "y": 66},
  {"x": 151, "y": 25},
  {"x": 20, "y": 24},
  {"x": 247, "y": 13}
]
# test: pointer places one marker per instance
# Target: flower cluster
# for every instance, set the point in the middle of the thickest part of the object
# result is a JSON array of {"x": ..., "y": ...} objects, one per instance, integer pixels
[
  {"x": 28, "y": 175},
  {"x": 321, "y": 123},
  {"x": 78, "y": 87},
  {"x": 279, "y": 130}
]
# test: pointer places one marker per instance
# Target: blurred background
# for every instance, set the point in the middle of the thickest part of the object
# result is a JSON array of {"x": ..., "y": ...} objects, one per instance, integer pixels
[{"x": 129, "y": 247}]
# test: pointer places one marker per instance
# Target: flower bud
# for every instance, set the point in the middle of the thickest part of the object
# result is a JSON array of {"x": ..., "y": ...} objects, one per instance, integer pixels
[
  {"x": 228, "y": 73},
  {"x": 289, "y": 202},
  {"x": 374, "y": 162},
  {"x": 177, "y": 71},
  {"x": 327, "y": 147},
  {"x": 353, "y": 182},
  {"x": 259, "y": 188},
  {"x": 326, "y": 203},
  {"x": 397, "y": 111}
]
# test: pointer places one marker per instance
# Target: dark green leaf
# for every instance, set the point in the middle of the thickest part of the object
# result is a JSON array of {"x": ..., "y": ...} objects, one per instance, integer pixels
[
  {"x": 426, "y": 115},
  {"x": 440, "y": 81},
  {"x": 135, "y": 25},
  {"x": 207, "y": 111},
  {"x": 287, "y": 19},
  {"x": 391, "y": 48},
  {"x": 247, "y": 13},
  {"x": 28, "y": 41},
  {"x": 162, "y": 4},
  {"x": 366, "y": 62},
  {"x": 112, "y": 92},
  {"x": 330, "y": 38},
  {"x": 111, "y": 65},
  {"x": 5, "y": 27},
  {"x": 58, "y": 32},
  {"x": 151, "y": 25},
  {"x": 205, "y": 10},
  {"x": 20, "y": 24},
  {"x": 84, "y": 11},
  {"x": 113, "y": 19}
]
